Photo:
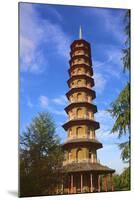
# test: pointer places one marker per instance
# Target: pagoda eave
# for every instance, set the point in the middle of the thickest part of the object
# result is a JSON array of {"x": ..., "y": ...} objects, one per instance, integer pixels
[
  {"x": 87, "y": 167},
  {"x": 82, "y": 121},
  {"x": 87, "y": 44},
  {"x": 81, "y": 89},
  {"x": 74, "y": 66},
  {"x": 81, "y": 76},
  {"x": 81, "y": 104},
  {"x": 80, "y": 48},
  {"x": 79, "y": 57},
  {"x": 85, "y": 142}
]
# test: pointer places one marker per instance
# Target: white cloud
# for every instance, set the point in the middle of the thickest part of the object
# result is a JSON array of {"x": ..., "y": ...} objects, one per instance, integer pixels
[
  {"x": 31, "y": 57},
  {"x": 34, "y": 32},
  {"x": 110, "y": 155},
  {"x": 111, "y": 23},
  {"x": 61, "y": 100},
  {"x": 100, "y": 82},
  {"x": 103, "y": 116},
  {"x": 106, "y": 122},
  {"x": 43, "y": 101},
  {"x": 53, "y": 33},
  {"x": 112, "y": 65},
  {"x": 57, "y": 112},
  {"x": 55, "y": 13}
]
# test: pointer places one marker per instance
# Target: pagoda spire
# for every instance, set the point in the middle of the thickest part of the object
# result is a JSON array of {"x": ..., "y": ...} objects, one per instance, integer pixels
[{"x": 80, "y": 33}]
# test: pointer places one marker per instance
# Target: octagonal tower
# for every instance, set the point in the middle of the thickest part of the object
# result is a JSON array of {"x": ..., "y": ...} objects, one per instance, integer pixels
[{"x": 81, "y": 168}]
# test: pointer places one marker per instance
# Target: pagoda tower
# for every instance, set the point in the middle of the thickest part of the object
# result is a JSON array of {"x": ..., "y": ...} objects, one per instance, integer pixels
[{"x": 81, "y": 168}]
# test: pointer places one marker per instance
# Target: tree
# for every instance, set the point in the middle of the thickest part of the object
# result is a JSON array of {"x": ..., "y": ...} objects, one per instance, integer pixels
[
  {"x": 40, "y": 157},
  {"x": 126, "y": 50},
  {"x": 125, "y": 179},
  {"x": 120, "y": 108},
  {"x": 117, "y": 182},
  {"x": 122, "y": 181}
]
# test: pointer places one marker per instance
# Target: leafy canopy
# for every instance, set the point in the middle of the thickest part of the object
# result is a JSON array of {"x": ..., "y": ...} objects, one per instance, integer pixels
[
  {"x": 120, "y": 108},
  {"x": 40, "y": 157}
]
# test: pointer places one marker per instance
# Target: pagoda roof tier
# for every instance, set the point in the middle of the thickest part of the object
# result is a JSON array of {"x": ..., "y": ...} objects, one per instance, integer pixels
[
  {"x": 80, "y": 56},
  {"x": 81, "y": 89},
  {"x": 81, "y": 121},
  {"x": 81, "y": 65},
  {"x": 80, "y": 48},
  {"x": 80, "y": 41},
  {"x": 85, "y": 142},
  {"x": 81, "y": 76},
  {"x": 81, "y": 104},
  {"x": 87, "y": 167}
]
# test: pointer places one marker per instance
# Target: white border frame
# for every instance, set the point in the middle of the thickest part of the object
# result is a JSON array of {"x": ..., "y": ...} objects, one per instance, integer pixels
[{"x": 9, "y": 97}]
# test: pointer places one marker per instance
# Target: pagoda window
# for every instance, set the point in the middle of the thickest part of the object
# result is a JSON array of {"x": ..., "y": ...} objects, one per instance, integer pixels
[
  {"x": 79, "y": 82},
  {"x": 79, "y": 71},
  {"x": 79, "y": 60},
  {"x": 79, "y": 155},
  {"x": 79, "y": 132},
  {"x": 79, "y": 113},
  {"x": 79, "y": 96},
  {"x": 71, "y": 98},
  {"x": 91, "y": 115},
  {"x": 88, "y": 84},
  {"x": 72, "y": 84},
  {"x": 73, "y": 72}
]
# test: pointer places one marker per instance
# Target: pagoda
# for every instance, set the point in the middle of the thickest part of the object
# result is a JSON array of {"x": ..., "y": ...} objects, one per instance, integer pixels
[{"x": 81, "y": 168}]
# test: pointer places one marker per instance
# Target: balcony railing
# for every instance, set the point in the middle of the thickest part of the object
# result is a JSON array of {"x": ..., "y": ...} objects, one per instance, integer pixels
[
  {"x": 66, "y": 162},
  {"x": 91, "y": 137},
  {"x": 76, "y": 86},
  {"x": 80, "y": 54},
  {"x": 82, "y": 100},
  {"x": 82, "y": 73},
  {"x": 81, "y": 117}
]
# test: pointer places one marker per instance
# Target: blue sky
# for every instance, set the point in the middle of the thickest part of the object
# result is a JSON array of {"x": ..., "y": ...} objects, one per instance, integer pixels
[{"x": 46, "y": 32}]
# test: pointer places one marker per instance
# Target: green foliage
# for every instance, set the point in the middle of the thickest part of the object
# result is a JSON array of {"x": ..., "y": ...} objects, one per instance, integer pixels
[
  {"x": 125, "y": 179},
  {"x": 122, "y": 182},
  {"x": 116, "y": 182},
  {"x": 126, "y": 58},
  {"x": 40, "y": 157},
  {"x": 126, "y": 50},
  {"x": 125, "y": 151},
  {"x": 120, "y": 108}
]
